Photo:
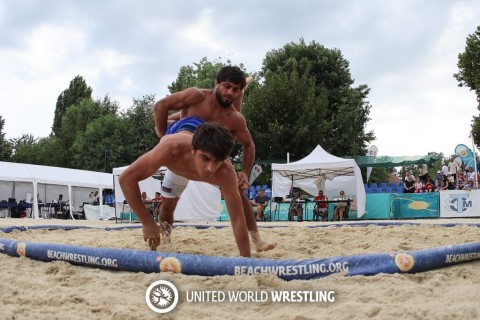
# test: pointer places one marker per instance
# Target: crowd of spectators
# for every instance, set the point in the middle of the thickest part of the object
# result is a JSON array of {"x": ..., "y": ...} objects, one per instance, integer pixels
[{"x": 452, "y": 176}]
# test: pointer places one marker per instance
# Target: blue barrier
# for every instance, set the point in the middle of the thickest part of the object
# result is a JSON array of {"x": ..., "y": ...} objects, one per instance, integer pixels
[{"x": 288, "y": 269}]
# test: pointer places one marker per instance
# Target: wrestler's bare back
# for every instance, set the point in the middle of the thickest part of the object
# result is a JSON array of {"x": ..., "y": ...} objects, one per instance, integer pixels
[{"x": 175, "y": 152}]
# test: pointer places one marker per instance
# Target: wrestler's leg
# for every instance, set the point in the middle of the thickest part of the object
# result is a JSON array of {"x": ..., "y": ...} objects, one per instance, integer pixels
[
  {"x": 166, "y": 217},
  {"x": 260, "y": 245}
]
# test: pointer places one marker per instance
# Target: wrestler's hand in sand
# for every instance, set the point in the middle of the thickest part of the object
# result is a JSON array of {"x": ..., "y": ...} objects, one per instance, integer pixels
[
  {"x": 151, "y": 234},
  {"x": 166, "y": 228}
]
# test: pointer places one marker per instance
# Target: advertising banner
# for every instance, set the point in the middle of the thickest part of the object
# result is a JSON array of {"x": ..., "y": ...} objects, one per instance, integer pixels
[
  {"x": 459, "y": 203},
  {"x": 465, "y": 154},
  {"x": 372, "y": 152},
  {"x": 254, "y": 173}
]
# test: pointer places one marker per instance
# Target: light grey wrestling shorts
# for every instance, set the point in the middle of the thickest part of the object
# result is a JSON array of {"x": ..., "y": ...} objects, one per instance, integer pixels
[{"x": 173, "y": 185}]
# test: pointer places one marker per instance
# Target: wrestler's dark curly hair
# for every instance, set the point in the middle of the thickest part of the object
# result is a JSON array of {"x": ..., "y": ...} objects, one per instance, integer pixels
[
  {"x": 233, "y": 74},
  {"x": 214, "y": 138}
]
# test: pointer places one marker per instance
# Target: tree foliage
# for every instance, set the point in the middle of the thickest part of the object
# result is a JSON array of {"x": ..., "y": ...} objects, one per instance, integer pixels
[
  {"x": 380, "y": 174},
  {"x": 41, "y": 151},
  {"x": 25, "y": 149},
  {"x": 141, "y": 124},
  {"x": 48, "y": 151},
  {"x": 75, "y": 121},
  {"x": 303, "y": 96},
  {"x": 476, "y": 130},
  {"x": 111, "y": 140},
  {"x": 284, "y": 114},
  {"x": 200, "y": 75},
  {"x": 106, "y": 143},
  {"x": 5, "y": 146},
  {"x": 347, "y": 109},
  {"x": 469, "y": 75},
  {"x": 77, "y": 90},
  {"x": 469, "y": 64}
]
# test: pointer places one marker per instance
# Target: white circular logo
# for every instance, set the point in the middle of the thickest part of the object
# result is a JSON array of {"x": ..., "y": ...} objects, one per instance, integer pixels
[{"x": 162, "y": 296}]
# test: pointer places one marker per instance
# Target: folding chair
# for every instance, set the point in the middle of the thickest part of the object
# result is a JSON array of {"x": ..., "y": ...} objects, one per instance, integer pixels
[
  {"x": 126, "y": 214},
  {"x": 345, "y": 214},
  {"x": 296, "y": 209},
  {"x": 275, "y": 208},
  {"x": 269, "y": 211},
  {"x": 4, "y": 209},
  {"x": 383, "y": 186},
  {"x": 48, "y": 209},
  {"x": 29, "y": 205}
]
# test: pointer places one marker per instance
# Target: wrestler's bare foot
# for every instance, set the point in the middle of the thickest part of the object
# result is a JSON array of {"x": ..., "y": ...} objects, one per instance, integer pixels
[
  {"x": 264, "y": 246},
  {"x": 166, "y": 231},
  {"x": 261, "y": 245}
]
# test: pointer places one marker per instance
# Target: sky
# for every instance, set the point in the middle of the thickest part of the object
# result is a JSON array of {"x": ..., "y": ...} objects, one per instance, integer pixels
[{"x": 405, "y": 51}]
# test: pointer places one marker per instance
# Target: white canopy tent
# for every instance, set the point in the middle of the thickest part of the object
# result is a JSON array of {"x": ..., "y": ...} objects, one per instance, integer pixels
[
  {"x": 320, "y": 170},
  {"x": 199, "y": 201},
  {"x": 25, "y": 181}
]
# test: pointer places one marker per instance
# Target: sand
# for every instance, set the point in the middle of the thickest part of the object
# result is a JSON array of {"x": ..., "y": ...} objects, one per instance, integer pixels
[{"x": 58, "y": 290}]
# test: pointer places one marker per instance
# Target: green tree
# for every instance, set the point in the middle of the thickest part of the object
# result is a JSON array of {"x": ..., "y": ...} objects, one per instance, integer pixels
[
  {"x": 25, "y": 149},
  {"x": 469, "y": 75},
  {"x": 5, "y": 146},
  {"x": 200, "y": 75},
  {"x": 75, "y": 121},
  {"x": 284, "y": 114},
  {"x": 48, "y": 151},
  {"x": 77, "y": 90},
  {"x": 380, "y": 174},
  {"x": 476, "y": 130},
  {"x": 41, "y": 151},
  {"x": 347, "y": 109},
  {"x": 105, "y": 144},
  {"x": 469, "y": 64},
  {"x": 141, "y": 124}
]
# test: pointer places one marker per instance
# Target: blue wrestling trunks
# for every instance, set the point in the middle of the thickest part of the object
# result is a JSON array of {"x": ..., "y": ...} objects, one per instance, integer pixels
[
  {"x": 173, "y": 185},
  {"x": 186, "y": 124}
]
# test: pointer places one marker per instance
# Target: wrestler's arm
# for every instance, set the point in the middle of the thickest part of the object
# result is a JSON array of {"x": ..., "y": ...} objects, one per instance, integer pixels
[
  {"x": 176, "y": 101},
  {"x": 243, "y": 135},
  {"x": 237, "y": 104},
  {"x": 228, "y": 179},
  {"x": 175, "y": 116},
  {"x": 142, "y": 168}
]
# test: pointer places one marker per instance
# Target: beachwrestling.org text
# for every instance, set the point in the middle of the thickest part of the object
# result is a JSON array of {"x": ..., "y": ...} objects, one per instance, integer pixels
[
  {"x": 82, "y": 258},
  {"x": 455, "y": 258},
  {"x": 293, "y": 270},
  {"x": 260, "y": 296}
]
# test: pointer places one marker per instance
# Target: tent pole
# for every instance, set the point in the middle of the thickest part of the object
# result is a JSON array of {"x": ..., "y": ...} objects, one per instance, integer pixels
[
  {"x": 114, "y": 196},
  {"x": 100, "y": 201},
  {"x": 291, "y": 189},
  {"x": 474, "y": 162},
  {"x": 35, "y": 208},
  {"x": 70, "y": 202}
]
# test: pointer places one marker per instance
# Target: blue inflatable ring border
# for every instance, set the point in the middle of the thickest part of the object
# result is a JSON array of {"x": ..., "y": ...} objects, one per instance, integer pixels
[{"x": 202, "y": 265}]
